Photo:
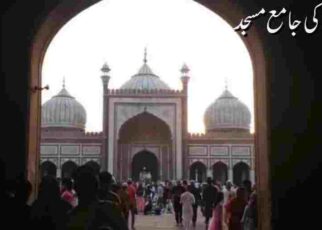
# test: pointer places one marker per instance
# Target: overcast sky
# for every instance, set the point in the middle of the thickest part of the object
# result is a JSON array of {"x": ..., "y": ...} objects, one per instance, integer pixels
[{"x": 174, "y": 32}]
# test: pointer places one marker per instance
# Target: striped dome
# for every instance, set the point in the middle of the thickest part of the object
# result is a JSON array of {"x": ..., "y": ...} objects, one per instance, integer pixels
[
  {"x": 63, "y": 110},
  {"x": 227, "y": 113},
  {"x": 145, "y": 79}
]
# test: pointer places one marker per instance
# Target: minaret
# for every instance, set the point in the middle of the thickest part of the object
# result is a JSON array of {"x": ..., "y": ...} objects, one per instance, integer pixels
[
  {"x": 105, "y": 80},
  {"x": 105, "y": 77},
  {"x": 185, "y": 80}
]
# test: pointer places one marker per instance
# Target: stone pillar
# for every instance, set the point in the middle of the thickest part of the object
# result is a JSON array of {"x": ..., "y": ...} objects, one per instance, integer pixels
[
  {"x": 58, "y": 173},
  {"x": 252, "y": 176},
  {"x": 209, "y": 172},
  {"x": 230, "y": 174}
]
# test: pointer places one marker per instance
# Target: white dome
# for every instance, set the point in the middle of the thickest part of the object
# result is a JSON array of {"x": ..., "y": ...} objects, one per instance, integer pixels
[
  {"x": 63, "y": 110},
  {"x": 227, "y": 112},
  {"x": 145, "y": 79}
]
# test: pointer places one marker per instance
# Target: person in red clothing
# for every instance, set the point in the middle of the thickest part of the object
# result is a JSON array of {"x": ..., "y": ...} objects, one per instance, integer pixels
[
  {"x": 235, "y": 210},
  {"x": 67, "y": 192},
  {"x": 133, "y": 209}
]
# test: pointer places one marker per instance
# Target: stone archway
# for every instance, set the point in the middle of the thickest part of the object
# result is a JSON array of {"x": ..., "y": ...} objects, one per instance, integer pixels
[
  {"x": 48, "y": 168},
  {"x": 68, "y": 169},
  {"x": 198, "y": 171},
  {"x": 56, "y": 14},
  {"x": 220, "y": 172},
  {"x": 148, "y": 132},
  {"x": 241, "y": 172},
  {"x": 147, "y": 161}
]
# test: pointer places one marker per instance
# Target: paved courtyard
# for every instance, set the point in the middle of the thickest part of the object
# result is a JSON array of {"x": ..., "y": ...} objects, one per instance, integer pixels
[{"x": 164, "y": 221}]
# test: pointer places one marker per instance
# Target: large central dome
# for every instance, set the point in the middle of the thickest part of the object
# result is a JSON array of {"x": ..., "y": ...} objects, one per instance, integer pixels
[{"x": 145, "y": 79}]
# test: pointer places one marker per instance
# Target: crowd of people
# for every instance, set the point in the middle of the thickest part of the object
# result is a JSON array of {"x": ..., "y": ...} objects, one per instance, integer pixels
[{"x": 90, "y": 201}]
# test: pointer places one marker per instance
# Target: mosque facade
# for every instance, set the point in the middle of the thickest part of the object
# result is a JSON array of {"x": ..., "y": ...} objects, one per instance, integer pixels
[{"x": 145, "y": 129}]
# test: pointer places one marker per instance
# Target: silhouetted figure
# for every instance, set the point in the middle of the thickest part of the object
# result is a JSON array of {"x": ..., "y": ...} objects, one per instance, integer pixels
[
  {"x": 148, "y": 205},
  {"x": 217, "y": 220},
  {"x": 247, "y": 185},
  {"x": 177, "y": 191},
  {"x": 92, "y": 213},
  {"x": 187, "y": 199},
  {"x": 121, "y": 191},
  {"x": 67, "y": 192},
  {"x": 249, "y": 219},
  {"x": 105, "y": 192},
  {"x": 49, "y": 211},
  {"x": 16, "y": 210},
  {"x": 196, "y": 193},
  {"x": 133, "y": 209},
  {"x": 235, "y": 210},
  {"x": 209, "y": 196}
]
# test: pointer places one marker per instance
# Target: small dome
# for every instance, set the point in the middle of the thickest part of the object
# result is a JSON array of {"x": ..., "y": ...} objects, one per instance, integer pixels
[
  {"x": 227, "y": 113},
  {"x": 145, "y": 79},
  {"x": 63, "y": 110}
]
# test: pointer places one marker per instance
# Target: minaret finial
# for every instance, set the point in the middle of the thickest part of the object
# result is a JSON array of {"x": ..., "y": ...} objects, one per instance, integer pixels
[
  {"x": 63, "y": 82},
  {"x": 226, "y": 83},
  {"x": 184, "y": 69},
  {"x": 145, "y": 54}
]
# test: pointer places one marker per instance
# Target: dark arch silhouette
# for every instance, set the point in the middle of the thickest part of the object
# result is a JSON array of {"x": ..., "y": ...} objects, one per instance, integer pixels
[
  {"x": 198, "y": 171},
  {"x": 220, "y": 172},
  {"x": 144, "y": 126},
  {"x": 149, "y": 161},
  {"x": 240, "y": 173},
  {"x": 48, "y": 168},
  {"x": 68, "y": 169}
]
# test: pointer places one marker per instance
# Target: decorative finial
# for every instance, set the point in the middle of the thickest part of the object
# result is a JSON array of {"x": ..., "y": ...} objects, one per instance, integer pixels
[
  {"x": 226, "y": 83},
  {"x": 105, "y": 68},
  {"x": 145, "y": 54},
  {"x": 63, "y": 82},
  {"x": 184, "y": 69}
]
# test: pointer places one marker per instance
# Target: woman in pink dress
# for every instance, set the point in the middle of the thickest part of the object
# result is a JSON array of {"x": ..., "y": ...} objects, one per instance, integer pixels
[
  {"x": 217, "y": 220},
  {"x": 140, "y": 198}
]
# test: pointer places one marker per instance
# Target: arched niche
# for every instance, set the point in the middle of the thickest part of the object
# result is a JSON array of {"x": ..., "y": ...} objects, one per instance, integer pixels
[
  {"x": 241, "y": 172},
  {"x": 144, "y": 127},
  {"x": 145, "y": 161},
  {"x": 198, "y": 171},
  {"x": 220, "y": 172}
]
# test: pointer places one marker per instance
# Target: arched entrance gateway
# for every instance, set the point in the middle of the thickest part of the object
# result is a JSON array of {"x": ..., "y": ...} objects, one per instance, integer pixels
[
  {"x": 198, "y": 171},
  {"x": 220, "y": 172},
  {"x": 145, "y": 161},
  {"x": 144, "y": 141},
  {"x": 59, "y": 13},
  {"x": 241, "y": 173}
]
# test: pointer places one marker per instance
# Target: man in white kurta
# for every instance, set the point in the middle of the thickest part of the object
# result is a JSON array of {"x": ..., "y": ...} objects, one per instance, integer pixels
[{"x": 187, "y": 199}]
